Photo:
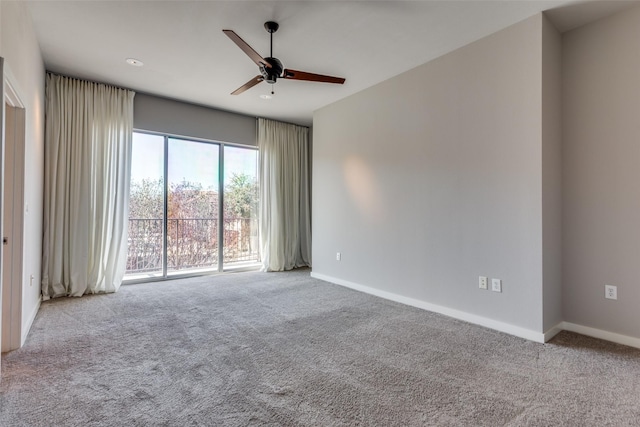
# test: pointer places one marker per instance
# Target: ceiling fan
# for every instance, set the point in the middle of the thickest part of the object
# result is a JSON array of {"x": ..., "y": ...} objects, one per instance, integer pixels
[{"x": 271, "y": 68}]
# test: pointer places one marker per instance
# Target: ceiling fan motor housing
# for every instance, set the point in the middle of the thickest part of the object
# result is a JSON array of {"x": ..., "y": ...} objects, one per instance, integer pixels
[{"x": 270, "y": 75}]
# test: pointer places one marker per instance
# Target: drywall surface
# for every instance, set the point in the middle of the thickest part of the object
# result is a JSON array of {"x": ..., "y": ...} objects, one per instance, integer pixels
[
  {"x": 551, "y": 175},
  {"x": 163, "y": 115},
  {"x": 21, "y": 52},
  {"x": 433, "y": 178},
  {"x": 601, "y": 173}
]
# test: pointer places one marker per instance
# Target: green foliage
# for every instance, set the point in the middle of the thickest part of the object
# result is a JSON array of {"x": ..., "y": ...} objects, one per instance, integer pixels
[
  {"x": 192, "y": 223},
  {"x": 190, "y": 200},
  {"x": 145, "y": 199},
  {"x": 241, "y": 197}
]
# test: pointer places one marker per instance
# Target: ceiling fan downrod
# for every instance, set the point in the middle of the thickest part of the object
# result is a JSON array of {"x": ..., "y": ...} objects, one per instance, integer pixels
[
  {"x": 271, "y": 28},
  {"x": 275, "y": 68}
]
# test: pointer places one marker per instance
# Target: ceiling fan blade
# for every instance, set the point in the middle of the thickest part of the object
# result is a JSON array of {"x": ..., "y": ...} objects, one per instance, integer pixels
[
  {"x": 255, "y": 56},
  {"x": 248, "y": 85},
  {"x": 302, "y": 75}
]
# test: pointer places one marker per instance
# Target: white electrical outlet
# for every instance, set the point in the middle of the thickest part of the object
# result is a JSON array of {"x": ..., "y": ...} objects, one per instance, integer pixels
[
  {"x": 338, "y": 256},
  {"x": 483, "y": 282},
  {"x": 496, "y": 285},
  {"x": 610, "y": 292}
]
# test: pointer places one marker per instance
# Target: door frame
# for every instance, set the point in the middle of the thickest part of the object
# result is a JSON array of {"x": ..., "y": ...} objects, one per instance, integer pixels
[{"x": 11, "y": 301}]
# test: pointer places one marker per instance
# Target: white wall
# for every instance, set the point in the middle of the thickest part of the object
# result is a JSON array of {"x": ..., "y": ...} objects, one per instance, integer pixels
[
  {"x": 551, "y": 175},
  {"x": 164, "y": 115},
  {"x": 601, "y": 166},
  {"x": 19, "y": 47},
  {"x": 430, "y": 179}
]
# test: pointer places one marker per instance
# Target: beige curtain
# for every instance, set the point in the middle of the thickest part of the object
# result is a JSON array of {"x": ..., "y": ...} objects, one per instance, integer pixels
[
  {"x": 88, "y": 132},
  {"x": 285, "y": 224}
]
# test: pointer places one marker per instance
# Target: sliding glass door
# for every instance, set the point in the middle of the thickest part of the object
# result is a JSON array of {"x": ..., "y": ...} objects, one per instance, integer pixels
[
  {"x": 193, "y": 207},
  {"x": 146, "y": 207},
  {"x": 240, "y": 207}
]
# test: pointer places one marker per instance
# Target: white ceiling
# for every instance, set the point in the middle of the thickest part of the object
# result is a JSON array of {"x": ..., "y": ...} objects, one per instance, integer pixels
[{"x": 187, "y": 57}]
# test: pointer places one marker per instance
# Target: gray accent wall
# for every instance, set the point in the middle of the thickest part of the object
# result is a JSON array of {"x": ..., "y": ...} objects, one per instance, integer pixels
[
  {"x": 435, "y": 177},
  {"x": 601, "y": 166},
  {"x": 152, "y": 113}
]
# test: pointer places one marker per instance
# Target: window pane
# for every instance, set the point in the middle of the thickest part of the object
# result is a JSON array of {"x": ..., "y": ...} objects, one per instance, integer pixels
[
  {"x": 192, "y": 214},
  {"x": 146, "y": 206},
  {"x": 240, "y": 206}
]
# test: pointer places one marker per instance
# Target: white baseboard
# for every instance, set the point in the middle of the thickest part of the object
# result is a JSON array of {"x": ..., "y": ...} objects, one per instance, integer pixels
[
  {"x": 456, "y": 314},
  {"x": 555, "y": 330},
  {"x": 488, "y": 323},
  {"x": 603, "y": 335},
  {"x": 27, "y": 327}
]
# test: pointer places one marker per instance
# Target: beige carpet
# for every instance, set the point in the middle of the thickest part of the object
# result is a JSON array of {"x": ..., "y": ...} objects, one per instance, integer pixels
[{"x": 283, "y": 349}]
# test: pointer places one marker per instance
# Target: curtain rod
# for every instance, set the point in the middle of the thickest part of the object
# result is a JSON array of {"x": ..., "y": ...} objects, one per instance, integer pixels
[
  {"x": 89, "y": 81},
  {"x": 171, "y": 99},
  {"x": 280, "y": 121}
]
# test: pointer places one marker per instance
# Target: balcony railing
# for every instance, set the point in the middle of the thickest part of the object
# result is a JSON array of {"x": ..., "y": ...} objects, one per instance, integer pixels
[{"x": 191, "y": 243}]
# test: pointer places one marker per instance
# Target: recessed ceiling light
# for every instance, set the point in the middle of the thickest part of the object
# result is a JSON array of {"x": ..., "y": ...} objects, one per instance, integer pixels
[
  {"x": 135, "y": 62},
  {"x": 265, "y": 96}
]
